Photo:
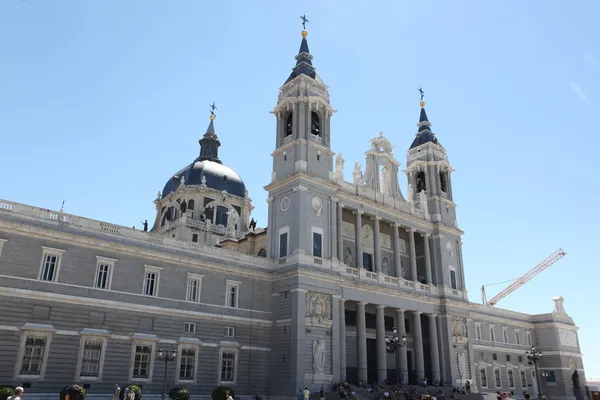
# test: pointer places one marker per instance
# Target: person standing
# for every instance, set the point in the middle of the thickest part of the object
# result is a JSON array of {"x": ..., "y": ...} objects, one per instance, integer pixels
[
  {"x": 306, "y": 394},
  {"x": 17, "y": 395},
  {"x": 322, "y": 393}
]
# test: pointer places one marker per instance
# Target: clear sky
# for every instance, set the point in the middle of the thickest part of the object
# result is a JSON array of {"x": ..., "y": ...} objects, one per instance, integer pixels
[{"x": 101, "y": 102}]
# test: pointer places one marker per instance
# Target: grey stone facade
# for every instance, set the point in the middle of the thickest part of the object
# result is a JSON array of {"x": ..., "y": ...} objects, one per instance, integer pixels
[{"x": 344, "y": 262}]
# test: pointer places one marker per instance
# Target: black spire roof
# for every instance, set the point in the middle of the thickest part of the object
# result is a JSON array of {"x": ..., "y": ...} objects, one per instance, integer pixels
[
  {"x": 303, "y": 61},
  {"x": 209, "y": 144},
  {"x": 424, "y": 134}
]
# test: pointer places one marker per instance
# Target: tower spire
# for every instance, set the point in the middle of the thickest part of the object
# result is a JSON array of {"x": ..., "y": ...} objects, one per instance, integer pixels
[
  {"x": 424, "y": 134},
  {"x": 209, "y": 144},
  {"x": 304, "y": 58}
]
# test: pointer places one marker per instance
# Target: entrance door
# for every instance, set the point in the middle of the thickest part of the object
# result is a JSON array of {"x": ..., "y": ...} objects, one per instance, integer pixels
[{"x": 371, "y": 361}]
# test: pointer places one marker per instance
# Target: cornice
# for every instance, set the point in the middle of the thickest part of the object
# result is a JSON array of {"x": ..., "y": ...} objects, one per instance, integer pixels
[{"x": 302, "y": 141}]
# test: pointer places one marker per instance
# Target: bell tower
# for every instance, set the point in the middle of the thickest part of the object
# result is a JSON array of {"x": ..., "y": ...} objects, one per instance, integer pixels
[
  {"x": 430, "y": 189},
  {"x": 303, "y": 121}
]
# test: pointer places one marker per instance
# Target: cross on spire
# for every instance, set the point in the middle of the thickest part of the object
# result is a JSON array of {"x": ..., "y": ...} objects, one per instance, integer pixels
[
  {"x": 212, "y": 108},
  {"x": 304, "y": 21},
  {"x": 422, "y": 92}
]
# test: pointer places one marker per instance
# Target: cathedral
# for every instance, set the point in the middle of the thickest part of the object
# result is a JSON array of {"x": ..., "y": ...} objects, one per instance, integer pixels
[{"x": 351, "y": 280}]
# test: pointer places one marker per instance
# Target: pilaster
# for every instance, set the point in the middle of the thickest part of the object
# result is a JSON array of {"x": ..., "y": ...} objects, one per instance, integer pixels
[
  {"x": 427, "y": 252},
  {"x": 376, "y": 244},
  {"x": 340, "y": 231},
  {"x": 333, "y": 242},
  {"x": 361, "y": 345},
  {"x": 342, "y": 307},
  {"x": 298, "y": 336},
  {"x": 418, "y": 343},
  {"x": 401, "y": 326},
  {"x": 380, "y": 343},
  {"x": 397, "y": 256},
  {"x": 433, "y": 348},
  {"x": 335, "y": 337},
  {"x": 413, "y": 254},
  {"x": 358, "y": 239}
]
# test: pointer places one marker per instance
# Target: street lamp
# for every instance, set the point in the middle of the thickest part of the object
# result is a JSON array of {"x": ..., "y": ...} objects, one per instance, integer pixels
[
  {"x": 393, "y": 343},
  {"x": 166, "y": 357},
  {"x": 533, "y": 356}
]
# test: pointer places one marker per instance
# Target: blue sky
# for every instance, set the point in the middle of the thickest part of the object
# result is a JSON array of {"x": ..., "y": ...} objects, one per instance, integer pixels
[{"x": 102, "y": 101}]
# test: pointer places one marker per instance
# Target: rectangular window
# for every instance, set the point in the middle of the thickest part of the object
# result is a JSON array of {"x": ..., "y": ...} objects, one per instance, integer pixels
[
  {"x": 33, "y": 356},
  {"x": 453, "y": 279},
  {"x": 317, "y": 244},
  {"x": 283, "y": 245},
  {"x": 492, "y": 333},
  {"x": 507, "y": 357},
  {"x": 523, "y": 379},
  {"x": 195, "y": 237},
  {"x": 551, "y": 378},
  {"x": 104, "y": 271},
  {"x": 228, "y": 366},
  {"x": 193, "y": 288},
  {"x": 90, "y": 361},
  {"x": 187, "y": 362},
  {"x": 50, "y": 267},
  {"x": 520, "y": 359},
  {"x": 141, "y": 361},
  {"x": 151, "y": 280},
  {"x": 232, "y": 294},
  {"x": 229, "y": 332},
  {"x": 189, "y": 327},
  {"x": 478, "y": 331},
  {"x": 483, "y": 376},
  {"x": 497, "y": 376},
  {"x": 494, "y": 356},
  {"x": 511, "y": 379},
  {"x": 505, "y": 335},
  {"x": 368, "y": 261}
]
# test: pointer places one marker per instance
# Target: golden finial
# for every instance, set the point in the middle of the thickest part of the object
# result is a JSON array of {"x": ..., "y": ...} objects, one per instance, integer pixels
[
  {"x": 422, "y": 103},
  {"x": 212, "y": 117},
  {"x": 304, "y": 21}
]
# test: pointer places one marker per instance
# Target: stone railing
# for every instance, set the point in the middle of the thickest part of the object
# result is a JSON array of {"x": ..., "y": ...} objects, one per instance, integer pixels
[{"x": 35, "y": 214}]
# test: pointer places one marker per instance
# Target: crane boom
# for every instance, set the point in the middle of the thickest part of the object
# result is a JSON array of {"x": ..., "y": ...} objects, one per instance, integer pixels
[{"x": 557, "y": 255}]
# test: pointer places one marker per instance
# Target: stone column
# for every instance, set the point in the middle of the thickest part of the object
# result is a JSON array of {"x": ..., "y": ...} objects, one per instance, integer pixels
[
  {"x": 358, "y": 238},
  {"x": 427, "y": 258},
  {"x": 397, "y": 256},
  {"x": 361, "y": 341},
  {"x": 342, "y": 340},
  {"x": 432, "y": 191},
  {"x": 340, "y": 232},
  {"x": 380, "y": 339},
  {"x": 401, "y": 326},
  {"x": 335, "y": 337},
  {"x": 433, "y": 348},
  {"x": 376, "y": 244},
  {"x": 298, "y": 336},
  {"x": 272, "y": 237},
  {"x": 413, "y": 255},
  {"x": 418, "y": 343},
  {"x": 333, "y": 233},
  {"x": 449, "y": 184},
  {"x": 460, "y": 267}
]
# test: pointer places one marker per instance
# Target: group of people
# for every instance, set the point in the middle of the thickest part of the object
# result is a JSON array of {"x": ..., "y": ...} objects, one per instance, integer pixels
[{"x": 72, "y": 392}]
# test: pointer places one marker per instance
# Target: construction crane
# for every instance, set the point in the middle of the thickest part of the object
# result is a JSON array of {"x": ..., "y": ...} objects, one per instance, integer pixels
[{"x": 557, "y": 255}]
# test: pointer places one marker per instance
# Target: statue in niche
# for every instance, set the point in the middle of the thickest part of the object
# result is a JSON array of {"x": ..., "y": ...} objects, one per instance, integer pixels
[
  {"x": 319, "y": 356},
  {"x": 575, "y": 379},
  {"x": 357, "y": 174},
  {"x": 459, "y": 328},
  {"x": 348, "y": 256},
  {"x": 318, "y": 307},
  {"x": 384, "y": 266},
  {"x": 402, "y": 271},
  {"x": 410, "y": 193},
  {"x": 384, "y": 179},
  {"x": 462, "y": 364},
  {"x": 339, "y": 164}
]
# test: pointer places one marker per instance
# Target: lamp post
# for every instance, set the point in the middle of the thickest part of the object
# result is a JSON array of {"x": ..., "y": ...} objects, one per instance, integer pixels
[
  {"x": 545, "y": 375},
  {"x": 533, "y": 356},
  {"x": 393, "y": 343},
  {"x": 166, "y": 357}
]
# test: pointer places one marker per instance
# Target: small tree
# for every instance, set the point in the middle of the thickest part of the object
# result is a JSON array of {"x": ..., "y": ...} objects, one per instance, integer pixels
[
  {"x": 6, "y": 391},
  {"x": 76, "y": 392},
  {"x": 179, "y": 393},
  {"x": 220, "y": 393}
]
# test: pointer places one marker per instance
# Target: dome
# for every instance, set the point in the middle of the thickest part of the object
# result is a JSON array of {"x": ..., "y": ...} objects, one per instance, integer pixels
[{"x": 217, "y": 176}]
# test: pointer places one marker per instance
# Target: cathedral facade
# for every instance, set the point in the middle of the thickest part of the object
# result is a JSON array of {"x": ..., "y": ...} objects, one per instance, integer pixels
[{"x": 342, "y": 271}]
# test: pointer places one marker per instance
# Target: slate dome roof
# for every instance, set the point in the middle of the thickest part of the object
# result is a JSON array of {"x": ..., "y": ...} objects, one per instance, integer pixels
[{"x": 208, "y": 167}]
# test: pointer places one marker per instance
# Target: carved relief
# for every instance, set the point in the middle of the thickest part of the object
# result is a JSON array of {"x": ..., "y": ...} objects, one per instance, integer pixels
[
  {"x": 567, "y": 338},
  {"x": 367, "y": 233},
  {"x": 318, "y": 307},
  {"x": 462, "y": 364},
  {"x": 450, "y": 248},
  {"x": 386, "y": 241},
  {"x": 317, "y": 205},
  {"x": 348, "y": 256},
  {"x": 348, "y": 230},
  {"x": 285, "y": 204},
  {"x": 459, "y": 329}
]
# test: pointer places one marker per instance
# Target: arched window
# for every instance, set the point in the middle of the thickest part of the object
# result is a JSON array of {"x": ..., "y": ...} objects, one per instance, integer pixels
[
  {"x": 443, "y": 181},
  {"x": 191, "y": 205},
  {"x": 315, "y": 124},
  {"x": 421, "y": 182},
  {"x": 262, "y": 253},
  {"x": 289, "y": 124}
]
